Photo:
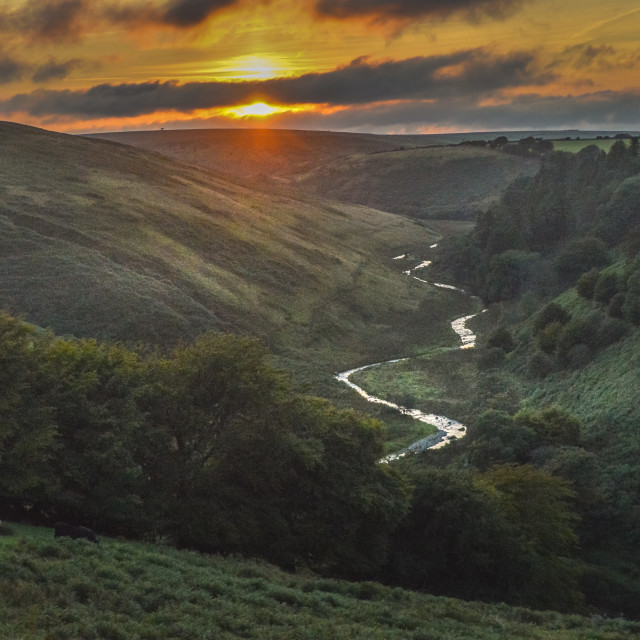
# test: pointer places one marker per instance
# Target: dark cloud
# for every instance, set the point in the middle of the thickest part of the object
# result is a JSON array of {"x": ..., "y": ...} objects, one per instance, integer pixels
[
  {"x": 53, "y": 70},
  {"x": 188, "y": 13},
  {"x": 415, "y": 9},
  {"x": 48, "y": 19},
  {"x": 61, "y": 20},
  {"x": 598, "y": 110},
  {"x": 10, "y": 69},
  {"x": 465, "y": 73},
  {"x": 586, "y": 56}
]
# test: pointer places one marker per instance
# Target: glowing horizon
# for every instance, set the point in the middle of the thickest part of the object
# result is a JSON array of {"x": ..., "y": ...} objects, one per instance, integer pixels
[{"x": 389, "y": 66}]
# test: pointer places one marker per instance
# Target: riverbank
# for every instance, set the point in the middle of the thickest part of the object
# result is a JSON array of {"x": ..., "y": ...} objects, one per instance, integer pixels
[{"x": 448, "y": 428}]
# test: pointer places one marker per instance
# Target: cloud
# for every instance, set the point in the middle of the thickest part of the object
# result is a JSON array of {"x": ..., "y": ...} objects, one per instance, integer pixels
[
  {"x": 597, "y": 110},
  {"x": 53, "y": 70},
  {"x": 473, "y": 72},
  {"x": 384, "y": 10},
  {"x": 62, "y": 20},
  {"x": 188, "y": 13},
  {"x": 596, "y": 57},
  {"x": 10, "y": 69},
  {"x": 46, "y": 20}
]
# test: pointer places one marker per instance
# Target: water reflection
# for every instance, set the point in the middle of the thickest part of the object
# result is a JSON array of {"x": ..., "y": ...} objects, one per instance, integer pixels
[{"x": 448, "y": 429}]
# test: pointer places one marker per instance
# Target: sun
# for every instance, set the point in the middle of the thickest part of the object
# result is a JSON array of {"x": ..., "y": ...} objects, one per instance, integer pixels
[
  {"x": 255, "y": 110},
  {"x": 243, "y": 68}
]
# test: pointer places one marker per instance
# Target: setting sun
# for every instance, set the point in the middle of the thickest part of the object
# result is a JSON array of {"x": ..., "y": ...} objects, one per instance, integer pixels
[{"x": 256, "y": 110}]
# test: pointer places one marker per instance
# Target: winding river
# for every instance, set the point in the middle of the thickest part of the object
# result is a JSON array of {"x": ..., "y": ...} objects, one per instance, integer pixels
[{"x": 448, "y": 429}]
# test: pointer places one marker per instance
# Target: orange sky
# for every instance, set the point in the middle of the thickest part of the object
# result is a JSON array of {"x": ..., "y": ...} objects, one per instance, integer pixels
[{"x": 360, "y": 65}]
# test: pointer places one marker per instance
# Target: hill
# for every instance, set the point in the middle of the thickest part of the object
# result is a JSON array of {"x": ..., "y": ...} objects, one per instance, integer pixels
[
  {"x": 418, "y": 176},
  {"x": 107, "y": 241},
  {"x": 59, "y": 589}
]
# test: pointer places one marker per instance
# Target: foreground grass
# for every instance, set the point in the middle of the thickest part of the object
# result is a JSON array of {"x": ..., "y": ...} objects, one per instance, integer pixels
[{"x": 60, "y": 589}]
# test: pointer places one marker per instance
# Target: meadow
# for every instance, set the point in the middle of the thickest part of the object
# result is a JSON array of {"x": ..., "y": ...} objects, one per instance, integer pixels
[
  {"x": 106, "y": 241},
  {"x": 425, "y": 177},
  {"x": 55, "y": 589}
]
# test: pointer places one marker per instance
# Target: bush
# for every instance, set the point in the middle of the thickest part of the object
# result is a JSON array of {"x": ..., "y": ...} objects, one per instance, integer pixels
[
  {"x": 548, "y": 337},
  {"x": 587, "y": 283},
  {"x": 551, "y": 312},
  {"x": 502, "y": 339},
  {"x": 540, "y": 365},
  {"x": 606, "y": 287},
  {"x": 492, "y": 357}
]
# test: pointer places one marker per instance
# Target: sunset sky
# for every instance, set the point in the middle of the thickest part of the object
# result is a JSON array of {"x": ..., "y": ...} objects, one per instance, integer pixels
[{"x": 384, "y": 66}]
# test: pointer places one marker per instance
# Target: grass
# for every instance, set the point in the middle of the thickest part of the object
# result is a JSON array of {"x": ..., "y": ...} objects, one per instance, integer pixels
[
  {"x": 59, "y": 589},
  {"x": 106, "y": 241},
  {"x": 407, "y": 175},
  {"x": 573, "y": 146}
]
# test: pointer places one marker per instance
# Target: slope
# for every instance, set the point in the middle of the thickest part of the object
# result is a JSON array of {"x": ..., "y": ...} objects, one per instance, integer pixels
[
  {"x": 69, "y": 588},
  {"x": 418, "y": 176},
  {"x": 107, "y": 241}
]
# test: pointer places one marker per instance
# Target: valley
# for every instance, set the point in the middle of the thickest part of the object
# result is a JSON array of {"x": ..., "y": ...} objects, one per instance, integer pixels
[{"x": 174, "y": 312}]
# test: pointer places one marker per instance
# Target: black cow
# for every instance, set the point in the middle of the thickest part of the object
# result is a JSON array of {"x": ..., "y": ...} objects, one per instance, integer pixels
[{"x": 64, "y": 529}]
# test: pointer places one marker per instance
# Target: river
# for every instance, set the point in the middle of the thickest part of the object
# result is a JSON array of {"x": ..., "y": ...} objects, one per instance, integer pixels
[{"x": 448, "y": 429}]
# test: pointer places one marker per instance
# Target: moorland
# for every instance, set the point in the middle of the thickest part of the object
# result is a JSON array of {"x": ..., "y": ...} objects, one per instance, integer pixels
[{"x": 171, "y": 315}]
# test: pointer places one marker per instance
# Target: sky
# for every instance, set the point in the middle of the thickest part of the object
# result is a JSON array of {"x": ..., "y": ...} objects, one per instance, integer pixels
[{"x": 380, "y": 66}]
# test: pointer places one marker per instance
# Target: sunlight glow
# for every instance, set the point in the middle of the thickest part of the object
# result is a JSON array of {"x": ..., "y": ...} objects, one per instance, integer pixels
[
  {"x": 256, "y": 110},
  {"x": 253, "y": 68}
]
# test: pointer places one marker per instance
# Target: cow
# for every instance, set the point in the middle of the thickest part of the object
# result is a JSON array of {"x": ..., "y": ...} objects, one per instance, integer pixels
[{"x": 63, "y": 529}]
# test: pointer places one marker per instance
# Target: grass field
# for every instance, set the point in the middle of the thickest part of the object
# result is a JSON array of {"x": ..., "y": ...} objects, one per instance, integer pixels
[
  {"x": 60, "y": 589},
  {"x": 573, "y": 146},
  {"x": 408, "y": 175},
  {"x": 106, "y": 241}
]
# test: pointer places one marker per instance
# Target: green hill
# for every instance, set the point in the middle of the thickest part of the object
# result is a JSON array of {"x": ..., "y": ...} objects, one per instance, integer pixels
[
  {"x": 60, "y": 589},
  {"x": 107, "y": 241},
  {"x": 418, "y": 176}
]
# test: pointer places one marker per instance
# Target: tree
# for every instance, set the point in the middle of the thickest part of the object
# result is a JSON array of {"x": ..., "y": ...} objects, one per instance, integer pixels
[
  {"x": 27, "y": 425},
  {"x": 538, "y": 506},
  {"x": 551, "y": 312},
  {"x": 553, "y": 425},
  {"x": 586, "y": 284}
]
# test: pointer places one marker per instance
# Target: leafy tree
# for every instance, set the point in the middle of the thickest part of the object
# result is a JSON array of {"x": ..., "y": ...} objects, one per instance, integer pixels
[
  {"x": 553, "y": 426},
  {"x": 27, "y": 426},
  {"x": 538, "y": 506},
  {"x": 509, "y": 273},
  {"x": 579, "y": 256},
  {"x": 548, "y": 337},
  {"x": 551, "y": 312},
  {"x": 92, "y": 389},
  {"x": 586, "y": 284},
  {"x": 606, "y": 287},
  {"x": 502, "y": 339},
  {"x": 495, "y": 438},
  {"x": 453, "y": 541}
]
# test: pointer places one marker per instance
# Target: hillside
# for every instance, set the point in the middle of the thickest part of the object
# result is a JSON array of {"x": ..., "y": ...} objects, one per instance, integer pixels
[
  {"x": 102, "y": 240},
  {"x": 418, "y": 176},
  {"x": 60, "y": 589}
]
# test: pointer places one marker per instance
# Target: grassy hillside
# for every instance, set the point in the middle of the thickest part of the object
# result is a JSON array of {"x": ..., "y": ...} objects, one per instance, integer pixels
[
  {"x": 59, "y": 589},
  {"x": 440, "y": 182},
  {"x": 408, "y": 175},
  {"x": 103, "y": 240}
]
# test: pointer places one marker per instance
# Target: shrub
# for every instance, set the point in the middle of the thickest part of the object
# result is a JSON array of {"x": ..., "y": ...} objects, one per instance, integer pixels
[
  {"x": 492, "y": 357},
  {"x": 587, "y": 283},
  {"x": 548, "y": 337},
  {"x": 551, "y": 312},
  {"x": 616, "y": 306},
  {"x": 540, "y": 365},
  {"x": 606, "y": 287},
  {"x": 502, "y": 339}
]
